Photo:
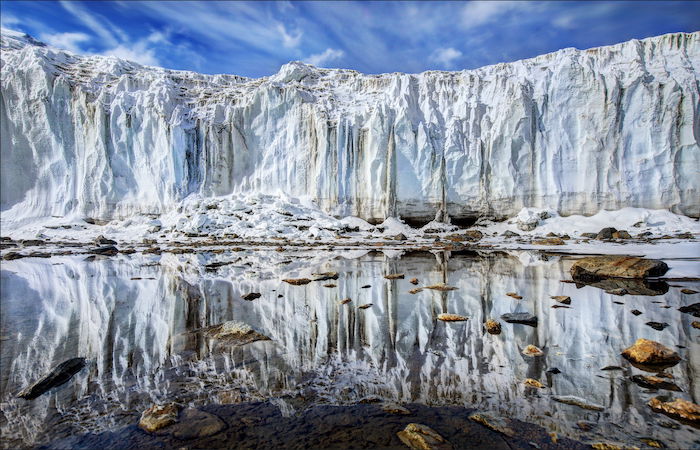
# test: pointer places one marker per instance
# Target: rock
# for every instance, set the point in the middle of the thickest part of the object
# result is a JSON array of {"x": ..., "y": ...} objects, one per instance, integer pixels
[
  {"x": 237, "y": 333},
  {"x": 636, "y": 312},
  {"x": 594, "y": 268},
  {"x": 689, "y": 291},
  {"x": 366, "y": 286},
  {"x": 158, "y": 416},
  {"x": 686, "y": 235},
  {"x": 553, "y": 371},
  {"x": 324, "y": 276},
  {"x": 104, "y": 241},
  {"x": 365, "y": 306},
  {"x": 608, "y": 446},
  {"x": 549, "y": 241},
  {"x": 566, "y": 300},
  {"x": 12, "y": 255},
  {"x": 650, "y": 353},
  {"x": 619, "y": 292},
  {"x": 496, "y": 424},
  {"x": 514, "y": 295},
  {"x": 330, "y": 285},
  {"x": 589, "y": 235},
  {"x": 196, "y": 424},
  {"x": 621, "y": 234},
  {"x": 532, "y": 351},
  {"x": 422, "y": 437},
  {"x": 441, "y": 287},
  {"x": 474, "y": 235},
  {"x": 345, "y": 301},
  {"x": 533, "y": 383},
  {"x": 586, "y": 426},
  {"x": 612, "y": 368},
  {"x": 695, "y": 324},
  {"x": 105, "y": 251},
  {"x": 400, "y": 237},
  {"x": 58, "y": 376},
  {"x": 606, "y": 233},
  {"x": 492, "y": 326},
  {"x": 653, "y": 443},
  {"x": 452, "y": 318},
  {"x": 679, "y": 409},
  {"x": 693, "y": 309},
  {"x": 297, "y": 281},
  {"x": 394, "y": 408},
  {"x": 651, "y": 382},
  {"x": 658, "y": 326},
  {"x": 630, "y": 285},
  {"x": 251, "y": 296},
  {"x": 509, "y": 234},
  {"x": 394, "y": 276},
  {"x": 577, "y": 401},
  {"x": 415, "y": 290},
  {"x": 413, "y": 281},
  {"x": 523, "y": 318}
]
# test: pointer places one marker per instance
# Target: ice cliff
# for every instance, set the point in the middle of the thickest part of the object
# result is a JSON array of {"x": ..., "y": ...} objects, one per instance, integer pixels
[{"x": 576, "y": 131}]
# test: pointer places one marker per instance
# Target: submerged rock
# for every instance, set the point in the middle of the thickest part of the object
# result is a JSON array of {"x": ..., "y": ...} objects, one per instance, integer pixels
[
  {"x": 523, "y": 318},
  {"x": 679, "y": 409},
  {"x": 577, "y": 401},
  {"x": 422, "y": 437},
  {"x": 492, "y": 326},
  {"x": 452, "y": 318},
  {"x": 613, "y": 266},
  {"x": 650, "y": 353},
  {"x": 56, "y": 377},
  {"x": 497, "y": 424},
  {"x": 159, "y": 416}
]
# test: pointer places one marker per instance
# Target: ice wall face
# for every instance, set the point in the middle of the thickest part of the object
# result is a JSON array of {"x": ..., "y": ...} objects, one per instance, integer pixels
[{"x": 576, "y": 131}]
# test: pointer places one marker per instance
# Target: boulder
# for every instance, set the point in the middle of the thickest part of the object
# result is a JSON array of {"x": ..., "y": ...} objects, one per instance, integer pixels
[
  {"x": 104, "y": 251},
  {"x": 621, "y": 234},
  {"x": 509, "y": 234},
  {"x": 101, "y": 240},
  {"x": 523, "y": 318},
  {"x": 589, "y": 235},
  {"x": 158, "y": 416},
  {"x": 650, "y": 353},
  {"x": 514, "y": 295},
  {"x": 532, "y": 351},
  {"x": 237, "y": 333},
  {"x": 251, "y": 296},
  {"x": 415, "y": 290},
  {"x": 595, "y": 268},
  {"x": 400, "y": 237},
  {"x": 530, "y": 382},
  {"x": 492, "y": 326},
  {"x": 693, "y": 309},
  {"x": 394, "y": 408},
  {"x": 679, "y": 409},
  {"x": 196, "y": 424},
  {"x": 422, "y": 437},
  {"x": 413, "y": 281},
  {"x": 606, "y": 233}
]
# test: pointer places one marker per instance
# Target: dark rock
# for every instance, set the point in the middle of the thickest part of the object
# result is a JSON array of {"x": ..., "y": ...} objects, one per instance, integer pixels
[
  {"x": 509, "y": 234},
  {"x": 492, "y": 326},
  {"x": 616, "y": 286},
  {"x": 693, "y": 309},
  {"x": 612, "y": 368},
  {"x": 12, "y": 255},
  {"x": 325, "y": 276},
  {"x": 32, "y": 242},
  {"x": 589, "y": 235},
  {"x": 104, "y": 251},
  {"x": 196, "y": 424},
  {"x": 524, "y": 318},
  {"x": 606, "y": 233},
  {"x": 651, "y": 382},
  {"x": 251, "y": 296},
  {"x": 553, "y": 371},
  {"x": 636, "y": 312},
  {"x": 618, "y": 291},
  {"x": 658, "y": 326},
  {"x": 104, "y": 241},
  {"x": 366, "y": 286},
  {"x": 59, "y": 375},
  {"x": 400, "y": 237}
]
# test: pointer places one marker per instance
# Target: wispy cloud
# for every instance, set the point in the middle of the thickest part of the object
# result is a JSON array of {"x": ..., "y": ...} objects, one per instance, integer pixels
[
  {"x": 98, "y": 25},
  {"x": 289, "y": 40},
  {"x": 323, "y": 58},
  {"x": 446, "y": 56},
  {"x": 70, "y": 41}
]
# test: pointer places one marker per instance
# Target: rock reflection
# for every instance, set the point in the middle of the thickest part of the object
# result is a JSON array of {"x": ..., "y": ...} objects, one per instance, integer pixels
[{"x": 144, "y": 325}]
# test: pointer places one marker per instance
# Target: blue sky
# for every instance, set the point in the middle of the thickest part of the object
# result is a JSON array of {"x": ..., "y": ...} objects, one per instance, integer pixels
[{"x": 255, "y": 38}]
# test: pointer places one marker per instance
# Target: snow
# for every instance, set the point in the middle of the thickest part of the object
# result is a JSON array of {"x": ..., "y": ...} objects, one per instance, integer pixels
[{"x": 574, "y": 132}]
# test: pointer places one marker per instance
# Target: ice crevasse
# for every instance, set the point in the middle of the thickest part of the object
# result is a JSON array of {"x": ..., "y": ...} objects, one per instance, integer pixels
[{"x": 576, "y": 131}]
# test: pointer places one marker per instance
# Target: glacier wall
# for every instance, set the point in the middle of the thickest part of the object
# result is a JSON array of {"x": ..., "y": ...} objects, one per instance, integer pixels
[{"x": 575, "y": 131}]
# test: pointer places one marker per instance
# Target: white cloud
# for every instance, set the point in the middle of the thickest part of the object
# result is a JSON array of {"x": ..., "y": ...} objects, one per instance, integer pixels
[
  {"x": 445, "y": 56},
  {"x": 328, "y": 55},
  {"x": 67, "y": 41},
  {"x": 139, "y": 51},
  {"x": 8, "y": 20},
  {"x": 93, "y": 23},
  {"x": 289, "y": 40},
  {"x": 476, "y": 13}
]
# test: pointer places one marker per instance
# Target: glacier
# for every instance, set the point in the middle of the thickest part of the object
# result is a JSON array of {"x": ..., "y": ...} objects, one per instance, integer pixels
[{"x": 574, "y": 131}]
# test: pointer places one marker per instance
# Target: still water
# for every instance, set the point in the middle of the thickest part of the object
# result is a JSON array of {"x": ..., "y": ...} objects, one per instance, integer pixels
[{"x": 142, "y": 321}]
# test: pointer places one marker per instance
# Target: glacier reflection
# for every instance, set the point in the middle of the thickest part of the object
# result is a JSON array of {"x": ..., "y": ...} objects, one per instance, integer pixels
[{"x": 139, "y": 320}]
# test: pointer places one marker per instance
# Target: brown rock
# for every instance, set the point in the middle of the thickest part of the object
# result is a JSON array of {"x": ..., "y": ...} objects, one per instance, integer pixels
[
  {"x": 422, "y": 437},
  {"x": 345, "y": 301},
  {"x": 394, "y": 276},
  {"x": 613, "y": 266},
  {"x": 533, "y": 383},
  {"x": 679, "y": 409},
  {"x": 496, "y": 424},
  {"x": 297, "y": 281},
  {"x": 330, "y": 285},
  {"x": 565, "y": 299},
  {"x": 651, "y": 382},
  {"x": 441, "y": 287},
  {"x": 689, "y": 291},
  {"x": 695, "y": 324},
  {"x": 415, "y": 290},
  {"x": 196, "y": 424},
  {"x": 650, "y": 353},
  {"x": 621, "y": 234},
  {"x": 576, "y": 401},
  {"x": 514, "y": 295},
  {"x": 452, "y": 318},
  {"x": 365, "y": 306},
  {"x": 493, "y": 327},
  {"x": 414, "y": 281},
  {"x": 549, "y": 241},
  {"x": 158, "y": 416},
  {"x": 533, "y": 351},
  {"x": 235, "y": 332}
]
